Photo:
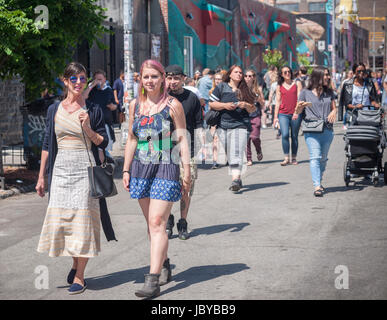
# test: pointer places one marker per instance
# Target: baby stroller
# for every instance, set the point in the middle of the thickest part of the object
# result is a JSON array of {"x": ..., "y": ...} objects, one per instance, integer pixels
[{"x": 365, "y": 141}]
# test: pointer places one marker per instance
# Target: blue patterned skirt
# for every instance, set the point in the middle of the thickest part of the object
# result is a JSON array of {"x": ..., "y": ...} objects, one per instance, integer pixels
[{"x": 155, "y": 181}]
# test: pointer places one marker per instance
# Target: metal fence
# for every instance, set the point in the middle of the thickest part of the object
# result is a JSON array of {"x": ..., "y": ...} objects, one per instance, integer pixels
[{"x": 13, "y": 156}]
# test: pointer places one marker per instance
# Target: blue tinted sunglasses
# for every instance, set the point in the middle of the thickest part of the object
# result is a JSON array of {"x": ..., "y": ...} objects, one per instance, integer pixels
[{"x": 74, "y": 79}]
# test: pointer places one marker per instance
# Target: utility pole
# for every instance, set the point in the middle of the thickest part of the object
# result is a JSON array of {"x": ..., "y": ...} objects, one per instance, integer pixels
[
  {"x": 334, "y": 41},
  {"x": 373, "y": 38},
  {"x": 128, "y": 47},
  {"x": 128, "y": 65}
]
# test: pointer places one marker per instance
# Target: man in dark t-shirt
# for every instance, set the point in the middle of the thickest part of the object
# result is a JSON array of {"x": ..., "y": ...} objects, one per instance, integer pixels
[
  {"x": 194, "y": 120},
  {"x": 102, "y": 95},
  {"x": 118, "y": 90}
]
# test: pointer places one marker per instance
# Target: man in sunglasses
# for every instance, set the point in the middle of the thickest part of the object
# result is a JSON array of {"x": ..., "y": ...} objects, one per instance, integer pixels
[
  {"x": 359, "y": 92},
  {"x": 102, "y": 95}
]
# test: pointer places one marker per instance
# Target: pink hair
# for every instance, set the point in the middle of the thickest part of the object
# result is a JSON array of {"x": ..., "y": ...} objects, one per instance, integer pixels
[{"x": 153, "y": 64}]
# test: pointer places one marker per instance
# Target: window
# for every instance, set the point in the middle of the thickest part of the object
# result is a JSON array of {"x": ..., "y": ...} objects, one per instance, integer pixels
[
  {"x": 188, "y": 56},
  {"x": 317, "y": 7},
  {"x": 289, "y": 7}
]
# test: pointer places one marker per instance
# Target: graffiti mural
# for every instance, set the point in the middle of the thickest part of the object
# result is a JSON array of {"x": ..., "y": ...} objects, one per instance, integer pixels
[
  {"x": 314, "y": 37},
  {"x": 308, "y": 34},
  {"x": 222, "y": 37},
  {"x": 207, "y": 25},
  {"x": 265, "y": 26}
]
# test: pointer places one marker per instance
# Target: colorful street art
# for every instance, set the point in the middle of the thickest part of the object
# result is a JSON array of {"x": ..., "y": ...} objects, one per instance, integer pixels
[
  {"x": 268, "y": 27},
  {"x": 221, "y": 38},
  {"x": 207, "y": 25},
  {"x": 315, "y": 28}
]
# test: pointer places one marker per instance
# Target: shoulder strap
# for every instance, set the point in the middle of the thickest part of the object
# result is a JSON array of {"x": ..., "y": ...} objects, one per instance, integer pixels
[{"x": 87, "y": 149}]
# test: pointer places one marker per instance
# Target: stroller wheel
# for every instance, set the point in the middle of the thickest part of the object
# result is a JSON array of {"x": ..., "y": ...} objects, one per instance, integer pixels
[
  {"x": 375, "y": 178},
  {"x": 347, "y": 174},
  {"x": 385, "y": 173}
]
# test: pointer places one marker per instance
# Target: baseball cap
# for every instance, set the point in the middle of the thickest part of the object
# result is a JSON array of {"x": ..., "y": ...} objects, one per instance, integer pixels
[{"x": 174, "y": 70}]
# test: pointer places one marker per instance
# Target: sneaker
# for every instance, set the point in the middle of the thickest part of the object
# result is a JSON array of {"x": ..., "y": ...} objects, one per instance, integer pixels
[
  {"x": 165, "y": 274},
  {"x": 215, "y": 166},
  {"x": 182, "y": 229},
  {"x": 236, "y": 185},
  {"x": 170, "y": 224}
]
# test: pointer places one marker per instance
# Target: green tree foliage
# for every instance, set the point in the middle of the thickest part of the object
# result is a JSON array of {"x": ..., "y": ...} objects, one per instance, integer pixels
[
  {"x": 37, "y": 54},
  {"x": 273, "y": 58},
  {"x": 303, "y": 60}
]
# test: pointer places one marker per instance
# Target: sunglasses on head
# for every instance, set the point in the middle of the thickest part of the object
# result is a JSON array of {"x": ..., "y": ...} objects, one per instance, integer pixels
[{"x": 74, "y": 79}]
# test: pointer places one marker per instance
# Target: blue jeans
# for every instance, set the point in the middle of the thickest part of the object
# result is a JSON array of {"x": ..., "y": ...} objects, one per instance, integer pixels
[
  {"x": 318, "y": 146},
  {"x": 286, "y": 122}
]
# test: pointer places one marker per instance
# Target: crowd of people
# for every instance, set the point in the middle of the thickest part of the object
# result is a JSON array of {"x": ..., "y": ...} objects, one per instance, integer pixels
[{"x": 169, "y": 135}]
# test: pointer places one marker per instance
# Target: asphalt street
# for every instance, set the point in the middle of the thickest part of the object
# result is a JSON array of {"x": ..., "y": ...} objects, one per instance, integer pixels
[{"x": 273, "y": 240}]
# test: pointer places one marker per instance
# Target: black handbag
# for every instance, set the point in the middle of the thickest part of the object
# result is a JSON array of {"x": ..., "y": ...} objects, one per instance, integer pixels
[
  {"x": 100, "y": 178},
  {"x": 212, "y": 117}
]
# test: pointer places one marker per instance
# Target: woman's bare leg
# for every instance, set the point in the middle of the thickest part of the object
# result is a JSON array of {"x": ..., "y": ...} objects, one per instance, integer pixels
[{"x": 159, "y": 211}]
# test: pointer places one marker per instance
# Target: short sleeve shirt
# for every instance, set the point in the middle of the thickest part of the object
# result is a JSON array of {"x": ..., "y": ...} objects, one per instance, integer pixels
[
  {"x": 360, "y": 95},
  {"x": 119, "y": 86},
  {"x": 230, "y": 119},
  {"x": 321, "y": 106}
]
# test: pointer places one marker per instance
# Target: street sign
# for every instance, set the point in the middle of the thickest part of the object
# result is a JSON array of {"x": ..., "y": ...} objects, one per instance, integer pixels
[{"x": 321, "y": 45}]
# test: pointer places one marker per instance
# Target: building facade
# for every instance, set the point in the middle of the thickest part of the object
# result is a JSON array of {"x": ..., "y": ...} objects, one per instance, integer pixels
[
  {"x": 372, "y": 17},
  {"x": 148, "y": 36}
]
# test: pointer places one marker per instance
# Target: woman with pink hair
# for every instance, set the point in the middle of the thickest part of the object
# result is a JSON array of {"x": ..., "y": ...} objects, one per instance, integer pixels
[{"x": 151, "y": 167}]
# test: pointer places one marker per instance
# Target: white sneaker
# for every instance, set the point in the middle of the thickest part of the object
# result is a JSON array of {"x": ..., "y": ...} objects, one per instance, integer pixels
[
  {"x": 264, "y": 126},
  {"x": 345, "y": 127}
]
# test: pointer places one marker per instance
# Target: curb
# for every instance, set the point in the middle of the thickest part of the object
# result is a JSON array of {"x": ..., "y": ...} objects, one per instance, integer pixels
[{"x": 15, "y": 191}]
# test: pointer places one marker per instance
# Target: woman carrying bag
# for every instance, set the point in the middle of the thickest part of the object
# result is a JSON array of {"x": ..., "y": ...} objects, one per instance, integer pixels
[
  {"x": 318, "y": 107},
  {"x": 72, "y": 223}
]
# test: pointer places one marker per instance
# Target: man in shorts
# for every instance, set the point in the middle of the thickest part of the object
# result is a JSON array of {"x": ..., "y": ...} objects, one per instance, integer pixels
[{"x": 194, "y": 120}]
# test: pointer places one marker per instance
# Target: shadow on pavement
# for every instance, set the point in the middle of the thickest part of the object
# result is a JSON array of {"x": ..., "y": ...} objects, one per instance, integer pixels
[
  {"x": 203, "y": 273},
  {"x": 117, "y": 278},
  {"x": 218, "y": 228},
  {"x": 343, "y": 189},
  {"x": 252, "y": 187}
]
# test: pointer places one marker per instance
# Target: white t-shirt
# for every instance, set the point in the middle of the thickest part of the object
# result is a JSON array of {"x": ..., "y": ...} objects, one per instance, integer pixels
[{"x": 194, "y": 90}]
